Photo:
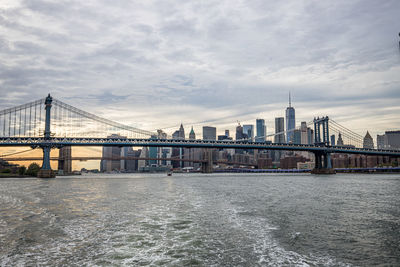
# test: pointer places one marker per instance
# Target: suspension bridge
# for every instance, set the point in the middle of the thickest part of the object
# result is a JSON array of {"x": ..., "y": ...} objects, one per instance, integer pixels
[{"x": 49, "y": 123}]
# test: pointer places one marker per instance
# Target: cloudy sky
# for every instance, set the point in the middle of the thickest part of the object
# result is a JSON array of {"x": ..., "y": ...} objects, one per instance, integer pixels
[{"x": 155, "y": 64}]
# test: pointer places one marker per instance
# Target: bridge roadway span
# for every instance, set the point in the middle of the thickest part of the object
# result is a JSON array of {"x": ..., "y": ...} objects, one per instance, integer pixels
[{"x": 57, "y": 142}]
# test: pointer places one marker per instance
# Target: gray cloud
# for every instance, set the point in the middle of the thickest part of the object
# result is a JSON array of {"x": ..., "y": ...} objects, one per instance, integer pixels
[{"x": 166, "y": 62}]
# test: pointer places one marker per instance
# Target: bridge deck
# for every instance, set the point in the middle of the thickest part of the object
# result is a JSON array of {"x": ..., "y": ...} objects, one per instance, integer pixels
[{"x": 76, "y": 141}]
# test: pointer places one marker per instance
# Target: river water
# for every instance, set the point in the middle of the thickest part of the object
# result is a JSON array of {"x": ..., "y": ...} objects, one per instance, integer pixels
[{"x": 199, "y": 219}]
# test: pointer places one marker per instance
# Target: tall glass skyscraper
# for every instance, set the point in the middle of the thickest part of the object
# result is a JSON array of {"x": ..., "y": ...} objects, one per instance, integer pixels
[
  {"x": 261, "y": 130},
  {"x": 290, "y": 122},
  {"x": 248, "y": 129}
]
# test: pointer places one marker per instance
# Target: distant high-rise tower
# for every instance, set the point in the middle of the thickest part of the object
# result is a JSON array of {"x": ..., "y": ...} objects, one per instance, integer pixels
[
  {"x": 340, "y": 140},
  {"x": 248, "y": 130},
  {"x": 209, "y": 133},
  {"x": 368, "y": 142},
  {"x": 227, "y": 133},
  {"x": 181, "y": 132},
  {"x": 261, "y": 130},
  {"x": 192, "y": 135},
  {"x": 380, "y": 141},
  {"x": 279, "y": 130},
  {"x": 239, "y": 132},
  {"x": 290, "y": 121}
]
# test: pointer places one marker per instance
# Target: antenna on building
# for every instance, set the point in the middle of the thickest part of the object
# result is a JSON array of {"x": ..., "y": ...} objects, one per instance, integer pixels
[{"x": 290, "y": 101}]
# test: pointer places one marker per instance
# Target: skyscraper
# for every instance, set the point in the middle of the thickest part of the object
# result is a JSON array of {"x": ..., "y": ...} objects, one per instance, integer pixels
[
  {"x": 368, "y": 142},
  {"x": 209, "y": 133},
  {"x": 181, "y": 132},
  {"x": 340, "y": 140},
  {"x": 290, "y": 121},
  {"x": 248, "y": 130},
  {"x": 279, "y": 137},
  {"x": 107, "y": 165},
  {"x": 239, "y": 132},
  {"x": 261, "y": 130},
  {"x": 192, "y": 135},
  {"x": 380, "y": 141},
  {"x": 279, "y": 130}
]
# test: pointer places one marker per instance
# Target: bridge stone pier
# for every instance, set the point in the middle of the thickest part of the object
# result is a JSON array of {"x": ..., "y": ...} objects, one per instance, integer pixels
[
  {"x": 207, "y": 166},
  {"x": 323, "y": 164}
]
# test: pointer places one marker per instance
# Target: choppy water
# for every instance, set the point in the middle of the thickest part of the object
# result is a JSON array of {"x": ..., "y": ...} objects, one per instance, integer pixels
[{"x": 205, "y": 220}]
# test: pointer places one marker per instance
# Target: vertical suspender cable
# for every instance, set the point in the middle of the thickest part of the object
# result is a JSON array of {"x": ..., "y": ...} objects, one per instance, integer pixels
[
  {"x": 40, "y": 118},
  {"x": 15, "y": 121},
  {"x": 9, "y": 125},
  {"x": 34, "y": 124},
  {"x": 19, "y": 128},
  {"x": 25, "y": 120}
]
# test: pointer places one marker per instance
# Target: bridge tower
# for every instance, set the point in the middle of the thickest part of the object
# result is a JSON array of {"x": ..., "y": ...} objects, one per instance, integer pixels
[
  {"x": 323, "y": 164},
  {"x": 207, "y": 166},
  {"x": 46, "y": 171}
]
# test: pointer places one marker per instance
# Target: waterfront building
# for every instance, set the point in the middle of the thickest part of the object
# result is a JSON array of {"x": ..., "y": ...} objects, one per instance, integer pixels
[
  {"x": 368, "y": 142},
  {"x": 143, "y": 154},
  {"x": 279, "y": 130},
  {"x": 131, "y": 165},
  {"x": 107, "y": 165},
  {"x": 261, "y": 130},
  {"x": 290, "y": 121},
  {"x": 248, "y": 130},
  {"x": 227, "y": 133}
]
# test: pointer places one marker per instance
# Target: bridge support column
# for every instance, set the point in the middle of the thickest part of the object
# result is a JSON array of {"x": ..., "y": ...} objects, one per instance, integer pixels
[
  {"x": 207, "y": 167},
  {"x": 323, "y": 163},
  {"x": 46, "y": 171}
]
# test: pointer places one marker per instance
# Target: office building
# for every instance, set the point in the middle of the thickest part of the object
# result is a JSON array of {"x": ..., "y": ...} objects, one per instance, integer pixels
[
  {"x": 392, "y": 139},
  {"x": 248, "y": 130},
  {"x": 380, "y": 141},
  {"x": 279, "y": 130},
  {"x": 296, "y": 137},
  {"x": 290, "y": 121},
  {"x": 333, "y": 140},
  {"x": 340, "y": 140},
  {"x": 107, "y": 164},
  {"x": 261, "y": 130},
  {"x": 209, "y": 133},
  {"x": 239, "y": 132},
  {"x": 304, "y": 133},
  {"x": 368, "y": 142}
]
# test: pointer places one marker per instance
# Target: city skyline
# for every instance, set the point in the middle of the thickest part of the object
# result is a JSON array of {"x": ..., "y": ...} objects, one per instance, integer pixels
[{"x": 211, "y": 62}]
